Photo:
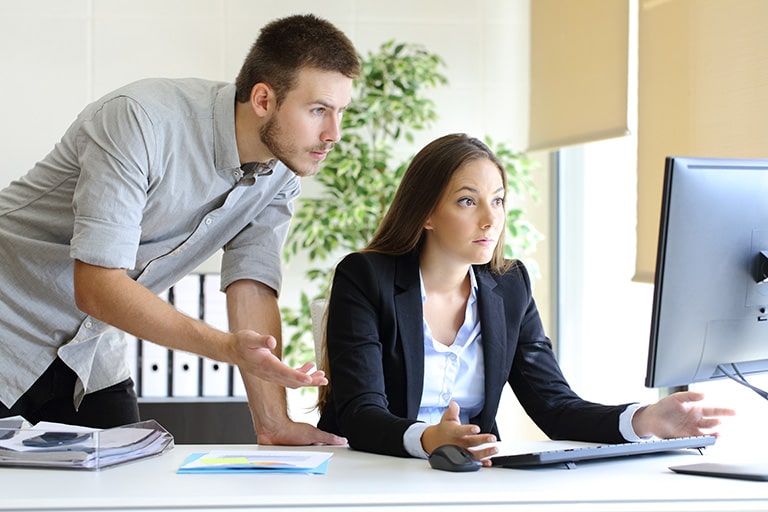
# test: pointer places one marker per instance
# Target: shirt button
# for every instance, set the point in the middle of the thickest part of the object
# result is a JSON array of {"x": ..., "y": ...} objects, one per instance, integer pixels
[
  {"x": 88, "y": 325},
  {"x": 209, "y": 221},
  {"x": 445, "y": 397},
  {"x": 453, "y": 357}
]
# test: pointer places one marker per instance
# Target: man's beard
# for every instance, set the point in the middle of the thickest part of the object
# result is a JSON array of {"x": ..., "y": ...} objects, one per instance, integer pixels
[{"x": 285, "y": 150}]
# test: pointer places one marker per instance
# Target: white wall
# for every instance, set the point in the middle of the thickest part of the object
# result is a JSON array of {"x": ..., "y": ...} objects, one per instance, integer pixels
[{"x": 58, "y": 55}]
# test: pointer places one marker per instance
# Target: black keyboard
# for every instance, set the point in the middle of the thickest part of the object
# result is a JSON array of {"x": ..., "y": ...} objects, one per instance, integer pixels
[{"x": 569, "y": 456}]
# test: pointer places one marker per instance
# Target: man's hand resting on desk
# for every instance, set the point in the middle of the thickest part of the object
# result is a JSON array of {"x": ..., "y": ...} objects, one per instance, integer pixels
[
  {"x": 677, "y": 415},
  {"x": 291, "y": 433},
  {"x": 255, "y": 357}
]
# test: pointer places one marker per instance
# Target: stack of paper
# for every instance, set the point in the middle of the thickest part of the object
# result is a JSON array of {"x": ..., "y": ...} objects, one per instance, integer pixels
[
  {"x": 67, "y": 446},
  {"x": 257, "y": 461}
]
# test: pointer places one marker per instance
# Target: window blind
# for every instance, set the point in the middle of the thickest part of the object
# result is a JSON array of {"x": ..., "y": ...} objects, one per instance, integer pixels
[
  {"x": 579, "y": 68},
  {"x": 703, "y": 91}
]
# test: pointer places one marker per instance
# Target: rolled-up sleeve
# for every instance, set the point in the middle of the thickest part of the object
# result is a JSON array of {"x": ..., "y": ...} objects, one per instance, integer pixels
[
  {"x": 115, "y": 151},
  {"x": 256, "y": 252}
]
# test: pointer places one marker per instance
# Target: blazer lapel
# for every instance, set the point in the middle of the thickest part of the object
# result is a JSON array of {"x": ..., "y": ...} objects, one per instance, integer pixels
[
  {"x": 409, "y": 313},
  {"x": 494, "y": 329}
]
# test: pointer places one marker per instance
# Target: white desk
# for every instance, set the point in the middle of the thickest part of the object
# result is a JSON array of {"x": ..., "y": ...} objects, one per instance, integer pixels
[{"x": 357, "y": 481}]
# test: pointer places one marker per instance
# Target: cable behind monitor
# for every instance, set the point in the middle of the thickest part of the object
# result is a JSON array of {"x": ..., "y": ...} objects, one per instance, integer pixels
[{"x": 738, "y": 377}]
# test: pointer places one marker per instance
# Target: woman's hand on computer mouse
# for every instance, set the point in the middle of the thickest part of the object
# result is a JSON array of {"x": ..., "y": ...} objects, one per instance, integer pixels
[
  {"x": 677, "y": 415},
  {"x": 451, "y": 431}
]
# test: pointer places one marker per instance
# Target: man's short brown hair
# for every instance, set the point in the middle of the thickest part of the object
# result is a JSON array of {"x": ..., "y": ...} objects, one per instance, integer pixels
[{"x": 287, "y": 45}]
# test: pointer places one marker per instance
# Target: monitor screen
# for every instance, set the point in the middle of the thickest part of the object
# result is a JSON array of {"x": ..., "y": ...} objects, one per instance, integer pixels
[{"x": 710, "y": 304}]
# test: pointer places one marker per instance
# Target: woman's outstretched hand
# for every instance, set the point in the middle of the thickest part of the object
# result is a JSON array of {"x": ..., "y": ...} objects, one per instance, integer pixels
[{"x": 678, "y": 415}]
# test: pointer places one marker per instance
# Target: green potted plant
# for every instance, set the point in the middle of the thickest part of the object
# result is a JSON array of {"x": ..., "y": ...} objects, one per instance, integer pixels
[{"x": 359, "y": 177}]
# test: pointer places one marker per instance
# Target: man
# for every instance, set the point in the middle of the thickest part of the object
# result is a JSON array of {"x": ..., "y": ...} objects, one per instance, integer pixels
[{"x": 146, "y": 184}]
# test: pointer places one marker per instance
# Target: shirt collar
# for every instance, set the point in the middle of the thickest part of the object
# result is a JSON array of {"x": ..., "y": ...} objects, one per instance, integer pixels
[
  {"x": 259, "y": 168},
  {"x": 226, "y": 157}
]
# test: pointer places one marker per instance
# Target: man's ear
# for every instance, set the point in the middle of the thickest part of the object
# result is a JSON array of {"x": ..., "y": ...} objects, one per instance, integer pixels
[{"x": 262, "y": 99}]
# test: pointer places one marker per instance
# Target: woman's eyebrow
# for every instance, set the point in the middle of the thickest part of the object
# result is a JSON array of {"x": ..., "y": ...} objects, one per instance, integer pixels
[{"x": 476, "y": 191}]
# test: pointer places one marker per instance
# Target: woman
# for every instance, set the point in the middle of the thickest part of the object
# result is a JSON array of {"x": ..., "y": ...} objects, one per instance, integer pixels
[{"x": 429, "y": 321}]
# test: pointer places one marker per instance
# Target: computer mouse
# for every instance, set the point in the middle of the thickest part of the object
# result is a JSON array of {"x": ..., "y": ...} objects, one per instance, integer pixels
[{"x": 450, "y": 457}]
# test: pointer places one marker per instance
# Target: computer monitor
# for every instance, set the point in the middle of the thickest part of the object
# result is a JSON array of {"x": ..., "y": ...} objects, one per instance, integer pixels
[{"x": 710, "y": 303}]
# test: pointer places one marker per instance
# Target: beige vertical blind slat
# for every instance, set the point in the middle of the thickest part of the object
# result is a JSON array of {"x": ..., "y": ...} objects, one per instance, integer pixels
[
  {"x": 578, "y": 71},
  {"x": 703, "y": 91}
]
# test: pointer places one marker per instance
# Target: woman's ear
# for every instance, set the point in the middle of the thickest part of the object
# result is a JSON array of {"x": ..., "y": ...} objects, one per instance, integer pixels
[{"x": 428, "y": 223}]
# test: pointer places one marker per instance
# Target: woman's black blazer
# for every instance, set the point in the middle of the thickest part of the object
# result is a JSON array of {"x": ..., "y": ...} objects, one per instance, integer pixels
[{"x": 375, "y": 345}]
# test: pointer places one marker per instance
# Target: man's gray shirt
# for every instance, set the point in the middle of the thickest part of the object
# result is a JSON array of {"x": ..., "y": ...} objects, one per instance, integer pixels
[{"x": 148, "y": 179}]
